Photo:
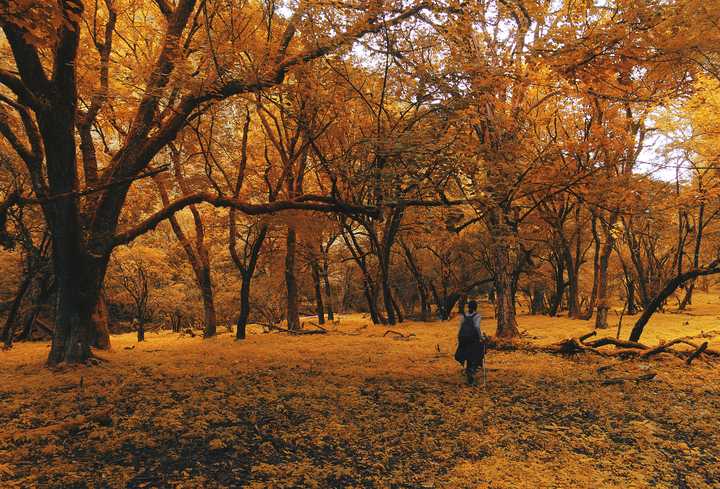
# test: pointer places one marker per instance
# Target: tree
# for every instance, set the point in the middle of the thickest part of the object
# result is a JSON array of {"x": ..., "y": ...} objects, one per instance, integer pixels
[{"x": 192, "y": 70}]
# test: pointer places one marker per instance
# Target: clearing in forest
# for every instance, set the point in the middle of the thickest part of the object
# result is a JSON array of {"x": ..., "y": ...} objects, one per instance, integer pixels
[{"x": 355, "y": 408}]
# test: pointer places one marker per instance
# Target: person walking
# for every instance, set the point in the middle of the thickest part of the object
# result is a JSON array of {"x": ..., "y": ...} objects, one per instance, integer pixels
[{"x": 471, "y": 348}]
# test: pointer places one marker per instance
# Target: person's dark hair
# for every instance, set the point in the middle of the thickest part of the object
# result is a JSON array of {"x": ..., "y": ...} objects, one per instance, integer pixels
[{"x": 472, "y": 306}]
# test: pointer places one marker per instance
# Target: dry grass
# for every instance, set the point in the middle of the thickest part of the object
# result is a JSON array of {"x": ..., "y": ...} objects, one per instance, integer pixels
[{"x": 355, "y": 409}]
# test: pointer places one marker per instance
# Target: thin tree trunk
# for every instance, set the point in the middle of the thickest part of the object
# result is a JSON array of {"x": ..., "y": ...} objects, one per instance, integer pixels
[
  {"x": 537, "y": 300},
  {"x": 687, "y": 300},
  {"x": 573, "y": 289},
  {"x": 11, "y": 320},
  {"x": 666, "y": 292},
  {"x": 292, "y": 313},
  {"x": 46, "y": 289},
  {"x": 419, "y": 281},
  {"x": 631, "y": 308},
  {"x": 359, "y": 255},
  {"x": 603, "y": 304},
  {"x": 206, "y": 289},
  {"x": 396, "y": 306},
  {"x": 244, "y": 306},
  {"x": 596, "y": 271},
  {"x": 559, "y": 272},
  {"x": 247, "y": 271},
  {"x": 636, "y": 258},
  {"x": 387, "y": 293},
  {"x": 319, "y": 306},
  {"x": 326, "y": 287},
  {"x": 630, "y": 304},
  {"x": 197, "y": 256}
]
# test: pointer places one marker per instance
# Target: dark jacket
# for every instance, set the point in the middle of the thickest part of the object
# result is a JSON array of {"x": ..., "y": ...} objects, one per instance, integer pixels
[{"x": 471, "y": 350}]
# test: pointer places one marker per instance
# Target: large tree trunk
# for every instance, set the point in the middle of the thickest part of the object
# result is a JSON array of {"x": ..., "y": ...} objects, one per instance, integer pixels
[
  {"x": 79, "y": 280},
  {"x": 503, "y": 272},
  {"x": 504, "y": 297},
  {"x": 101, "y": 323},
  {"x": 293, "y": 315}
]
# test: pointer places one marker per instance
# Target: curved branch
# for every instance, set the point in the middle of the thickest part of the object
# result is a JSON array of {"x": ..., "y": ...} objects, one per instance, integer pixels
[
  {"x": 315, "y": 203},
  {"x": 669, "y": 288},
  {"x": 18, "y": 87}
]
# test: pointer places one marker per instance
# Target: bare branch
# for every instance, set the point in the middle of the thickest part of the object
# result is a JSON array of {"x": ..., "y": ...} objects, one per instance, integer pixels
[{"x": 316, "y": 203}]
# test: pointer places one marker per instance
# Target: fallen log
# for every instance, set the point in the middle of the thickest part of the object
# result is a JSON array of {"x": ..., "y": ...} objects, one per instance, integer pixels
[
  {"x": 587, "y": 335},
  {"x": 296, "y": 332},
  {"x": 696, "y": 353},
  {"x": 664, "y": 347},
  {"x": 398, "y": 335},
  {"x": 311, "y": 323},
  {"x": 624, "y": 348},
  {"x": 616, "y": 342}
]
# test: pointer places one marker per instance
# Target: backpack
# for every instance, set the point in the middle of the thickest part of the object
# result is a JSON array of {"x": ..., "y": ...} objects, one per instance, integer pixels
[{"x": 468, "y": 333}]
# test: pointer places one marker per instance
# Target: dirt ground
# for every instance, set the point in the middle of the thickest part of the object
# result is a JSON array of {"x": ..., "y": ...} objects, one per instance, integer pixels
[{"x": 354, "y": 408}]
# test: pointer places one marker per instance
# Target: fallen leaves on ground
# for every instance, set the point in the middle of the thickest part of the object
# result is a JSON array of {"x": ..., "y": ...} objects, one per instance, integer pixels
[{"x": 360, "y": 410}]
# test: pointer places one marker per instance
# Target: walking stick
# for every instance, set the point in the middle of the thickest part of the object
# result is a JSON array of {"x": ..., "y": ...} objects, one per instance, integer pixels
[{"x": 484, "y": 373}]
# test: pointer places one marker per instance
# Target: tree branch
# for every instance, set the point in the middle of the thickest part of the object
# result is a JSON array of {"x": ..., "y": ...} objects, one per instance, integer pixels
[
  {"x": 316, "y": 203},
  {"x": 19, "y": 88}
]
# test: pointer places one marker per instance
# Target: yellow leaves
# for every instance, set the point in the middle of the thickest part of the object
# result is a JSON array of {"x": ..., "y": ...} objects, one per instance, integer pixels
[
  {"x": 216, "y": 444},
  {"x": 6, "y": 470},
  {"x": 284, "y": 412}
]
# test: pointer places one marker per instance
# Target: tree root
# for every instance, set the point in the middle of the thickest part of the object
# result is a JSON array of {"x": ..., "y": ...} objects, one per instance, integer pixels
[
  {"x": 623, "y": 349},
  {"x": 630, "y": 349}
]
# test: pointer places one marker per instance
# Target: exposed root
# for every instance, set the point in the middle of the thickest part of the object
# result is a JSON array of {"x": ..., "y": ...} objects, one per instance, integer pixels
[
  {"x": 623, "y": 349},
  {"x": 632, "y": 349}
]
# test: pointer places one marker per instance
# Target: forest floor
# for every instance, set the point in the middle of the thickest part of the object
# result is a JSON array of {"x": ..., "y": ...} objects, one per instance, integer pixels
[{"x": 354, "y": 408}]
